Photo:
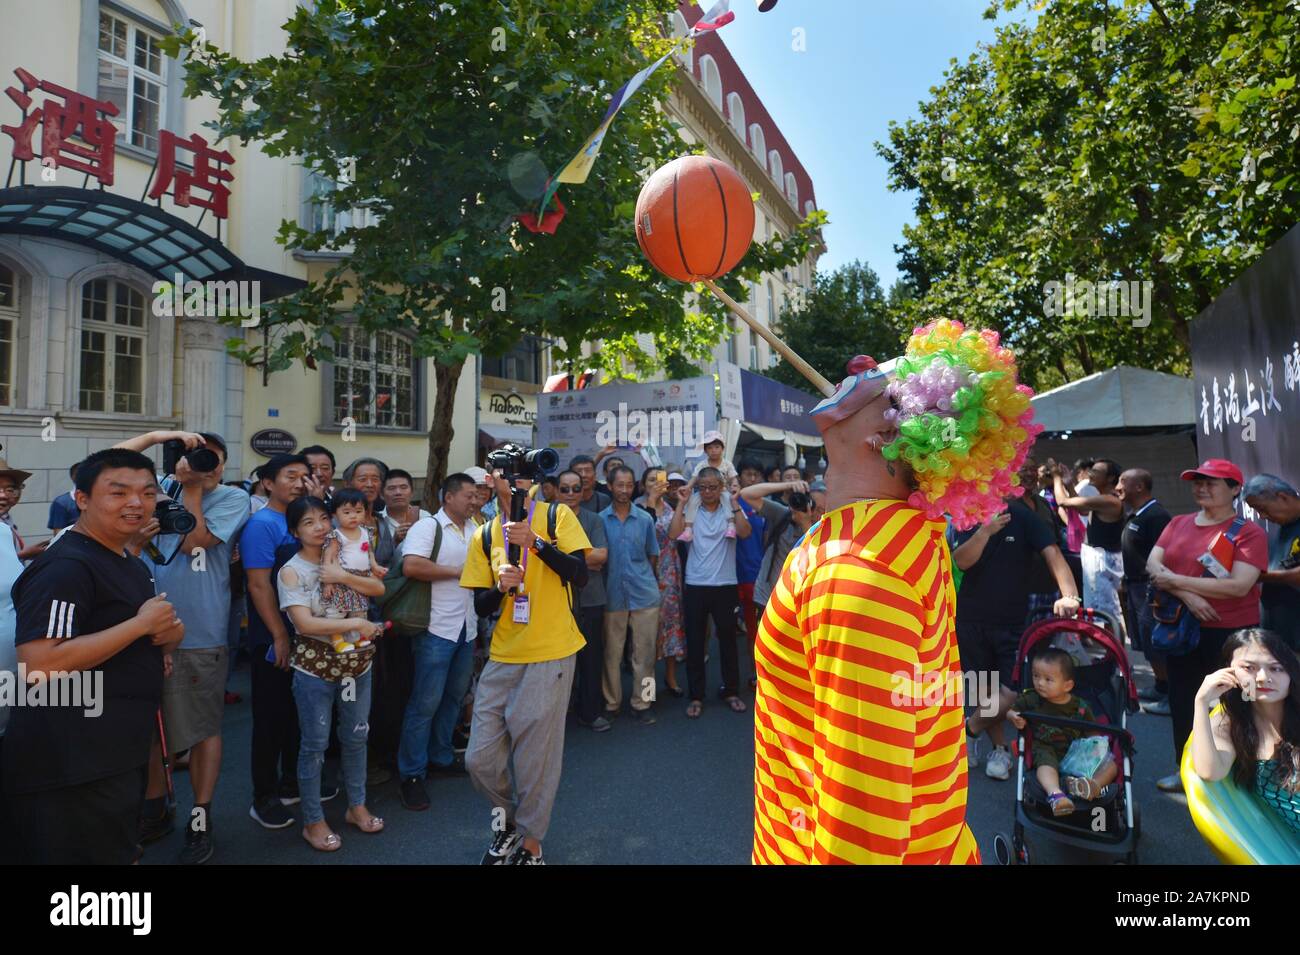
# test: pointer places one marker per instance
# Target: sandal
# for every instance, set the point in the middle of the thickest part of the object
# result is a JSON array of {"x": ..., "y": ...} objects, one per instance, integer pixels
[
  {"x": 676, "y": 691},
  {"x": 1060, "y": 803},
  {"x": 736, "y": 703},
  {"x": 694, "y": 710},
  {"x": 372, "y": 825},
  {"x": 329, "y": 842}
]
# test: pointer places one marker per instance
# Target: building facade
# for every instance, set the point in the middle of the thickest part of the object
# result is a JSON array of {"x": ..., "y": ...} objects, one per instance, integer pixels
[
  {"x": 718, "y": 108},
  {"x": 133, "y": 192}
]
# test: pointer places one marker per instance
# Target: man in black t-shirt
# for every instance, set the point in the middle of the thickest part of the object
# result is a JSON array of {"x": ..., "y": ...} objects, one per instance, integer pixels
[
  {"x": 88, "y": 621},
  {"x": 992, "y": 605},
  {"x": 1144, "y": 520}
]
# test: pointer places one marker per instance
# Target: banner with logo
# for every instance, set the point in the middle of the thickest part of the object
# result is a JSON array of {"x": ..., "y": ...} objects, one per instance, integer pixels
[{"x": 667, "y": 417}]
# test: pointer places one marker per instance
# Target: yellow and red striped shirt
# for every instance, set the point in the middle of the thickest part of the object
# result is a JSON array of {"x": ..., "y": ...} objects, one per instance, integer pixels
[{"x": 859, "y": 748}]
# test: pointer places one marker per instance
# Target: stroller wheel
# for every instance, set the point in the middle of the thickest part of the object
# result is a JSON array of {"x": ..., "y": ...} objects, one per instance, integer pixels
[
  {"x": 1019, "y": 848},
  {"x": 1002, "y": 849}
]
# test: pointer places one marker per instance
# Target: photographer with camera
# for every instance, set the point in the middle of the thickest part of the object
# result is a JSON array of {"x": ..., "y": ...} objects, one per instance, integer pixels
[
  {"x": 193, "y": 567},
  {"x": 526, "y": 568},
  {"x": 87, "y": 612}
]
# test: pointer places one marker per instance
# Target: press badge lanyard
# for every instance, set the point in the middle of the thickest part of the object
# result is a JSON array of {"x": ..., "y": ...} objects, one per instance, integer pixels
[{"x": 521, "y": 605}]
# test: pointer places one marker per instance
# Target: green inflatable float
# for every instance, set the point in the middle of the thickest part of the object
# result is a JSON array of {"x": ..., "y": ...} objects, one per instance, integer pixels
[{"x": 1238, "y": 826}]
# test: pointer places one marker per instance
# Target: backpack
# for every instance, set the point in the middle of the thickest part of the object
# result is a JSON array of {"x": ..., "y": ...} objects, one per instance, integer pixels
[
  {"x": 485, "y": 538},
  {"x": 405, "y": 601}
]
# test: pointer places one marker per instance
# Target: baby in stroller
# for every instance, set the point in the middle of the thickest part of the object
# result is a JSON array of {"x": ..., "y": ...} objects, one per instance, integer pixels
[{"x": 1053, "y": 679}]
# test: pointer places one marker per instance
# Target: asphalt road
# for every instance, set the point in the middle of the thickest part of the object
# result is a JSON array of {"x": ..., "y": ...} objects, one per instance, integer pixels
[{"x": 679, "y": 792}]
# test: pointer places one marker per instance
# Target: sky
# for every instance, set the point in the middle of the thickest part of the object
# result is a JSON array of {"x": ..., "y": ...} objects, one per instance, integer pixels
[{"x": 867, "y": 62}]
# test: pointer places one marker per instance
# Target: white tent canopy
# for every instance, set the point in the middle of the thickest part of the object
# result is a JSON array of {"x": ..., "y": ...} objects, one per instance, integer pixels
[{"x": 1123, "y": 397}]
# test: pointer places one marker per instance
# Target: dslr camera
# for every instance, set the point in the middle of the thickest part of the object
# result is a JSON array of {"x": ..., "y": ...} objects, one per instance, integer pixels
[
  {"x": 800, "y": 501},
  {"x": 173, "y": 518},
  {"x": 515, "y": 461},
  {"x": 202, "y": 460}
]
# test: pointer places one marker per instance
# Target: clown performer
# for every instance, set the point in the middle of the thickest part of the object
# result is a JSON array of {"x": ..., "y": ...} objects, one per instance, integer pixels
[{"x": 859, "y": 744}]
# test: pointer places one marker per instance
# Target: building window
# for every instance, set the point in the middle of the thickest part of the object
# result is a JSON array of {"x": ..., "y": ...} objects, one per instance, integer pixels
[
  {"x": 132, "y": 76},
  {"x": 736, "y": 114},
  {"x": 792, "y": 189},
  {"x": 113, "y": 336},
  {"x": 686, "y": 54},
  {"x": 731, "y": 340},
  {"x": 374, "y": 380},
  {"x": 8, "y": 330},
  {"x": 808, "y": 207},
  {"x": 774, "y": 165},
  {"x": 320, "y": 214},
  {"x": 757, "y": 142},
  {"x": 711, "y": 80},
  {"x": 771, "y": 305},
  {"x": 521, "y": 363}
]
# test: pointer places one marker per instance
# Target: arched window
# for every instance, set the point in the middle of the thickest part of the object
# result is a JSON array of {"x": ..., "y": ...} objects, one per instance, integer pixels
[
  {"x": 711, "y": 79},
  {"x": 808, "y": 207},
  {"x": 736, "y": 114},
  {"x": 9, "y": 312},
  {"x": 114, "y": 333},
  {"x": 774, "y": 165},
  {"x": 757, "y": 142},
  {"x": 679, "y": 29},
  {"x": 792, "y": 189}
]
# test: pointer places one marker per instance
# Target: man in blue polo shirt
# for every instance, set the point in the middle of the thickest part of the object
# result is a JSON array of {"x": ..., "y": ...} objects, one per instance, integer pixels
[
  {"x": 631, "y": 597},
  {"x": 275, "y": 715}
]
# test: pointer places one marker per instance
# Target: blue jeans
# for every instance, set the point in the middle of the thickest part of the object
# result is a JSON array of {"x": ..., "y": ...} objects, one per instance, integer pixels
[
  {"x": 442, "y": 672},
  {"x": 316, "y": 701}
]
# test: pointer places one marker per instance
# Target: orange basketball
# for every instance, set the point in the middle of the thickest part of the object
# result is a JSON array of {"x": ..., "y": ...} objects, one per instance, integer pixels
[{"x": 694, "y": 218}]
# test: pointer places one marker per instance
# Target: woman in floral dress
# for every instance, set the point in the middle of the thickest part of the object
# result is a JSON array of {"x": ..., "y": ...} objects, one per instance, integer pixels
[{"x": 672, "y": 635}]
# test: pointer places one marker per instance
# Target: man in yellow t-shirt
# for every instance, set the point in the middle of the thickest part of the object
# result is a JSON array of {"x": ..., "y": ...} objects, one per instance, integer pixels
[{"x": 517, "y": 736}]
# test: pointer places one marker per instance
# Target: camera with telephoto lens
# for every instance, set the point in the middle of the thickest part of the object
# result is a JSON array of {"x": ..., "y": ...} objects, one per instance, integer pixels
[
  {"x": 201, "y": 460},
  {"x": 515, "y": 461},
  {"x": 173, "y": 518}
]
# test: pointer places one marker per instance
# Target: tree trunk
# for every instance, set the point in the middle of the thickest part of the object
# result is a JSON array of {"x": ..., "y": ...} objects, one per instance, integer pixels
[{"x": 441, "y": 431}]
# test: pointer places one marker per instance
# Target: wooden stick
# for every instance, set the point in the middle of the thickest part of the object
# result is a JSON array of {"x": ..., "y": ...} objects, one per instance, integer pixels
[{"x": 788, "y": 353}]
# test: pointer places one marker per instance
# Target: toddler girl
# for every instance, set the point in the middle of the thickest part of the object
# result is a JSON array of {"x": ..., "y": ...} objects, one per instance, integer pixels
[{"x": 349, "y": 545}]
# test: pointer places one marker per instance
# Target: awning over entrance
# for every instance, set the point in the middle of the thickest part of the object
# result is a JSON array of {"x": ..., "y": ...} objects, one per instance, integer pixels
[
  {"x": 490, "y": 434},
  {"x": 134, "y": 232}
]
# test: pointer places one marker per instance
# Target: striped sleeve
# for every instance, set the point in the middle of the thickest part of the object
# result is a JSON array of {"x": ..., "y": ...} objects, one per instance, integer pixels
[
  {"x": 51, "y": 602},
  {"x": 864, "y": 627}
]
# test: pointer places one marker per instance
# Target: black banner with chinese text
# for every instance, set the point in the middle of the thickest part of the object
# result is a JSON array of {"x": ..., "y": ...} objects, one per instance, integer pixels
[{"x": 1246, "y": 366}]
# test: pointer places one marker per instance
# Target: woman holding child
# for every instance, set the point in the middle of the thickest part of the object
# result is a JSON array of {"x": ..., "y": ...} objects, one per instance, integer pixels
[{"x": 323, "y": 678}]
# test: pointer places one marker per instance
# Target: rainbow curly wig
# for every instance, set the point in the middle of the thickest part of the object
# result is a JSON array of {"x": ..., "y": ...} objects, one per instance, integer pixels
[{"x": 964, "y": 423}]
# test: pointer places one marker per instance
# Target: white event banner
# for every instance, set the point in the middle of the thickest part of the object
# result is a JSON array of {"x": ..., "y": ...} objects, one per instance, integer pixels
[{"x": 649, "y": 421}]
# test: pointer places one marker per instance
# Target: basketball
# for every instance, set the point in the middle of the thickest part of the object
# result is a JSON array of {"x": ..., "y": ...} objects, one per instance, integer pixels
[{"x": 694, "y": 218}]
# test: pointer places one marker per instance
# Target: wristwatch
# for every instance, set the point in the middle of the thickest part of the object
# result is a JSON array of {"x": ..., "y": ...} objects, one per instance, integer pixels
[{"x": 537, "y": 546}]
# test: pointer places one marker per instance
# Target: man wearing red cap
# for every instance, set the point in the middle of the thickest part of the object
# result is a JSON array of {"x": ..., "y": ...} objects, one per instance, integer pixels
[
  {"x": 1211, "y": 562},
  {"x": 852, "y": 765}
]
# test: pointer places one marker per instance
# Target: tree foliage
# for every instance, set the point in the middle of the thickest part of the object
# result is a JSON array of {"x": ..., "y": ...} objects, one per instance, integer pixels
[
  {"x": 443, "y": 119},
  {"x": 845, "y": 313},
  {"x": 1138, "y": 141}
]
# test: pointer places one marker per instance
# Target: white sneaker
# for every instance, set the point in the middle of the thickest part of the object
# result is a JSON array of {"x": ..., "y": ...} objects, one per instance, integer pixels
[
  {"x": 973, "y": 752},
  {"x": 998, "y": 765}
]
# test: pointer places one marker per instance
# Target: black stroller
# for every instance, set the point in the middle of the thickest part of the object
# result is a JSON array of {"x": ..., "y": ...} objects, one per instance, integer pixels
[{"x": 1110, "y": 824}]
